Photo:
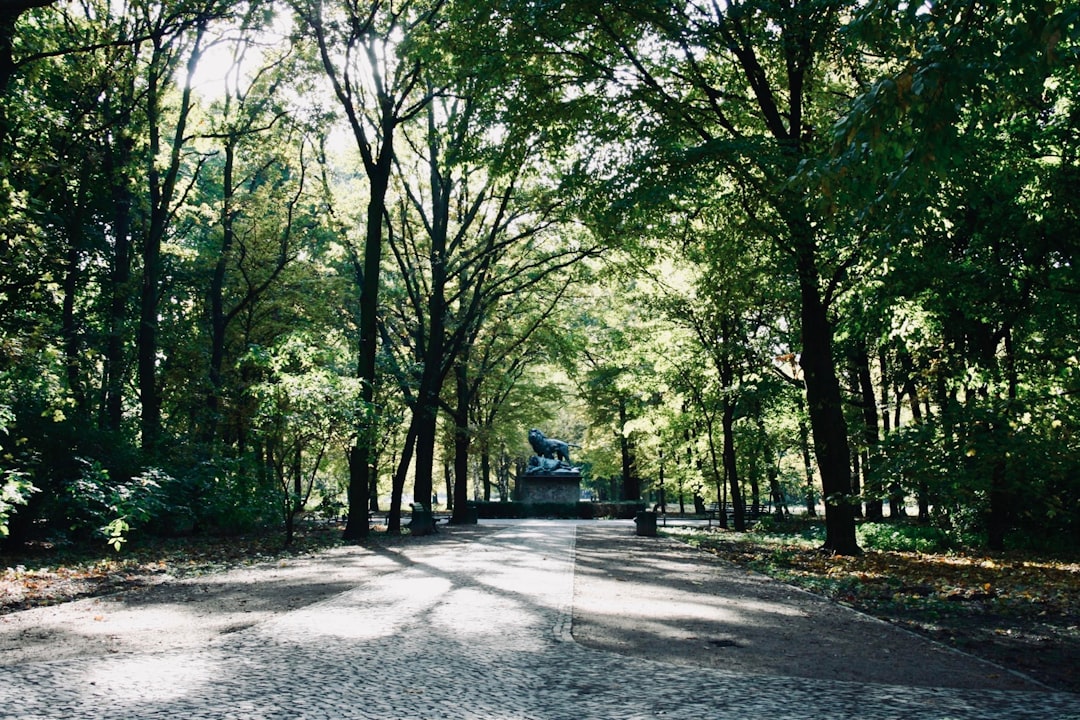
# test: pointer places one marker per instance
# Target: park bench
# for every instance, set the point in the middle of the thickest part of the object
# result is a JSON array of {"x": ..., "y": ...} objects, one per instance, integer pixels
[
  {"x": 713, "y": 510},
  {"x": 376, "y": 519}
]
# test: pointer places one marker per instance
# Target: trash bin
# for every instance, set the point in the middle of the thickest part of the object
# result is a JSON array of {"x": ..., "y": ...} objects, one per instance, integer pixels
[
  {"x": 472, "y": 513},
  {"x": 422, "y": 521},
  {"x": 646, "y": 523}
]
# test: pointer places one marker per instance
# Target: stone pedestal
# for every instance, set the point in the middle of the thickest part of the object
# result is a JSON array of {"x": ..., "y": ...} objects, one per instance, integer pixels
[{"x": 559, "y": 487}]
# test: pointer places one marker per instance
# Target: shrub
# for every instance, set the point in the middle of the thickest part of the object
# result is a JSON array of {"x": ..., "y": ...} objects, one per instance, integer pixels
[
  {"x": 904, "y": 537},
  {"x": 112, "y": 509}
]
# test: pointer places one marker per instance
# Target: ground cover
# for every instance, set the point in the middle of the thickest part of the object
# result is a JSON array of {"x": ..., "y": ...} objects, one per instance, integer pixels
[{"x": 1018, "y": 609}]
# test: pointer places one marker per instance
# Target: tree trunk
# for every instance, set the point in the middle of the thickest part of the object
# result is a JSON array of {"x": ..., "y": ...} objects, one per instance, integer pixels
[
  {"x": 162, "y": 193},
  {"x": 912, "y": 392},
  {"x": 731, "y": 468},
  {"x": 117, "y": 160},
  {"x": 808, "y": 463},
  {"x": 149, "y": 398},
  {"x": 717, "y": 471},
  {"x": 896, "y": 493},
  {"x": 397, "y": 485},
  {"x": 875, "y": 509},
  {"x": 216, "y": 294},
  {"x": 825, "y": 406},
  {"x": 1001, "y": 499},
  {"x": 631, "y": 483},
  {"x": 69, "y": 323},
  {"x": 357, "y": 525},
  {"x": 462, "y": 440},
  {"x": 368, "y": 279}
]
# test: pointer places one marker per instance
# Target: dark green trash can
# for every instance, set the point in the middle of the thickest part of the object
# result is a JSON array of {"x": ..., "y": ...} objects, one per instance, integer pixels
[
  {"x": 646, "y": 523},
  {"x": 423, "y": 520}
]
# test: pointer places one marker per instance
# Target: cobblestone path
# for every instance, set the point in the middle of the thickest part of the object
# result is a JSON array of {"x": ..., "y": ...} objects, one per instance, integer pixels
[{"x": 481, "y": 632}]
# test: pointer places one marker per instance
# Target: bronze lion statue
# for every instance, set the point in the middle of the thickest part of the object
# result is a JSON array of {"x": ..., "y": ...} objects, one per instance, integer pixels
[{"x": 550, "y": 447}]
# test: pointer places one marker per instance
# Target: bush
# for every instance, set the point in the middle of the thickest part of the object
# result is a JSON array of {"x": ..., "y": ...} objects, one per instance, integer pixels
[
  {"x": 113, "y": 509},
  {"x": 225, "y": 496},
  {"x": 578, "y": 510},
  {"x": 811, "y": 529},
  {"x": 15, "y": 490},
  {"x": 904, "y": 537}
]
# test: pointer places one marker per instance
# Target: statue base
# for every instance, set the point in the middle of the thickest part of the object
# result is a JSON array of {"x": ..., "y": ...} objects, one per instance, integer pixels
[{"x": 558, "y": 487}]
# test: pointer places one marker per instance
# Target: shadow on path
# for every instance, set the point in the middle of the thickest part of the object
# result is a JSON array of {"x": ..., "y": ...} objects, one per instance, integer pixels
[{"x": 661, "y": 599}]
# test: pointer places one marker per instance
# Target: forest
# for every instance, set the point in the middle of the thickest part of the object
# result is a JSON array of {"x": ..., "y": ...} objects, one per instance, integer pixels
[{"x": 271, "y": 259}]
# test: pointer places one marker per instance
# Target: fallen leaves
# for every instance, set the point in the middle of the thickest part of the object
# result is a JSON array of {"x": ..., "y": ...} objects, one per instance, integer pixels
[{"x": 47, "y": 575}]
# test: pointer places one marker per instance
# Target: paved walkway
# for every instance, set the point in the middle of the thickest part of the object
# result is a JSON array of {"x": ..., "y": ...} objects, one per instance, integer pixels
[{"x": 480, "y": 632}]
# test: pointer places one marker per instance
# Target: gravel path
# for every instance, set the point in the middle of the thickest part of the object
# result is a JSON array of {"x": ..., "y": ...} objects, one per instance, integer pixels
[{"x": 539, "y": 619}]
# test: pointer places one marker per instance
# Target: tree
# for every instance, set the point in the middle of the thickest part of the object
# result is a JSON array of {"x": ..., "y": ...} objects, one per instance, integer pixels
[
  {"x": 964, "y": 120},
  {"x": 170, "y": 46},
  {"x": 614, "y": 367},
  {"x": 364, "y": 53},
  {"x": 475, "y": 230},
  {"x": 10, "y": 12},
  {"x": 244, "y": 118},
  {"x": 305, "y": 408}
]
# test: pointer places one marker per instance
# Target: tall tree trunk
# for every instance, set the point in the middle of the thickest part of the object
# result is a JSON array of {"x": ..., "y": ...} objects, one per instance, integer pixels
[
  {"x": 808, "y": 463},
  {"x": 824, "y": 403},
  {"x": 485, "y": 473},
  {"x": 856, "y": 452},
  {"x": 72, "y": 280},
  {"x": 149, "y": 397},
  {"x": 397, "y": 486},
  {"x": 912, "y": 392},
  {"x": 162, "y": 194},
  {"x": 117, "y": 160},
  {"x": 631, "y": 489},
  {"x": 426, "y": 412},
  {"x": 731, "y": 468},
  {"x": 431, "y": 380},
  {"x": 896, "y": 491},
  {"x": 462, "y": 440},
  {"x": 362, "y": 458},
  {"x": 875, "y": 509},
  {"x": 216, "y": 304},
  {"x": 1001, "y": 499}
]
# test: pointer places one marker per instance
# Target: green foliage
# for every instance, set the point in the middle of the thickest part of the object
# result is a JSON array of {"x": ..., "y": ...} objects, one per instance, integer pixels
[
  {"x": 114, "y": 509},
  {"x": 775, "y": 529},
  {"x": 226, "y": 495},
  {"x": 930, "y": 192},
  {"x": 579, "y": 510},
  {"x": 15, "y": 490},
  {"x": 904, "y": 537}
]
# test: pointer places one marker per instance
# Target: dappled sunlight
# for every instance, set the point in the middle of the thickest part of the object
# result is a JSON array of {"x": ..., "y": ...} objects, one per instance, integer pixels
[
  {"x": 150, "y": 678},
  {"x": 476, "y": 615},
  {"x": 483, "y": 631},
  {"x": 376, "y": 610}
]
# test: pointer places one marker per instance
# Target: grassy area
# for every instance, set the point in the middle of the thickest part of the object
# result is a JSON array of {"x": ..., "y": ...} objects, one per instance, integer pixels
[{"x": 1019, "y": 609}]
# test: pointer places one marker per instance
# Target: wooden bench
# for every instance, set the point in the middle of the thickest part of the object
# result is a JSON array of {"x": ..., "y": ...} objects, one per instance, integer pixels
[
  {"x": 383, "y": 518},
  {"x": 712, "y": 512}
]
